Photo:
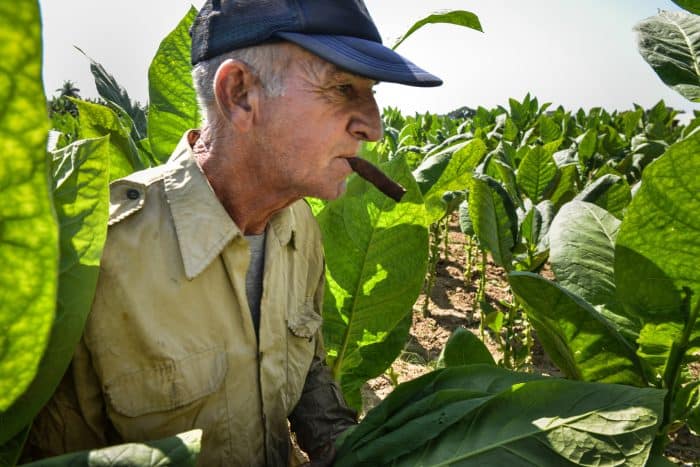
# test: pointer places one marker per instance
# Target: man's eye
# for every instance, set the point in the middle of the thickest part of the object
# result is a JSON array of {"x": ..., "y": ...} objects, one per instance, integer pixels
[{"x": 345, "y": 89}]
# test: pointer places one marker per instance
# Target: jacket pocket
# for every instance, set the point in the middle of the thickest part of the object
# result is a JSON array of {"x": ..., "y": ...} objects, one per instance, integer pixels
[
  {"x": 168, "y": 384},
  {"x": 305, "y": 322}
]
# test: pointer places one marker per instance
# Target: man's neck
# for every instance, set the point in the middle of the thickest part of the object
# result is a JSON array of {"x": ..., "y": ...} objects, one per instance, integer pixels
[{"x": 238, "y": 182}]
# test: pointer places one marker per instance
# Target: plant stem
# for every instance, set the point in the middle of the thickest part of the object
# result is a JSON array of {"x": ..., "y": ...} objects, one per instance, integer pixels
[
  {"x": 527, "y": 331},
  {"x": 482, "y": 278},
  {"x": 470, "y": 259},
  {"x": 672, "y": 376},
  {"x": 480, "y": 294},
  {"x": 528, "y": 336},
  {"x": 432, "y": 264},
  {"x": 446, "y": 237},
  {"x": 508, "y": 353}
]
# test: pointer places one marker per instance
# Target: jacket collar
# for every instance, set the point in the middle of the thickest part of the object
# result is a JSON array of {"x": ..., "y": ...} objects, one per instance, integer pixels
[{"x": 202, "y": 225}]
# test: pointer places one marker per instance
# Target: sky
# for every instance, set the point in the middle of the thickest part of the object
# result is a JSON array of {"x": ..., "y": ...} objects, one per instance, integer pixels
[{"x": 578, "y": 54}]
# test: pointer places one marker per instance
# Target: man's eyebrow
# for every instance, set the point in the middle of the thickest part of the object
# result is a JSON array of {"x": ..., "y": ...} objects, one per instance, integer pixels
[
  {"x": 321, "y": 71},
  {"x": 329, "y": 74},
  {"x": 336, "y": 74}
]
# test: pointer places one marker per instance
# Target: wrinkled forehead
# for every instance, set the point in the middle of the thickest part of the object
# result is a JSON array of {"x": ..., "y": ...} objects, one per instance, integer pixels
[{"x": 322, "y": 70}]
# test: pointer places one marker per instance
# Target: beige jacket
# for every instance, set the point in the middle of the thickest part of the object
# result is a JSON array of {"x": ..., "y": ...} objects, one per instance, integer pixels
[{"x": 169, "y": 344}]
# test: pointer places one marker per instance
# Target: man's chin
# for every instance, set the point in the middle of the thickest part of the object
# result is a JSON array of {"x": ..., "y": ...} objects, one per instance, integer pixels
[{"x": 330, "y": 195}]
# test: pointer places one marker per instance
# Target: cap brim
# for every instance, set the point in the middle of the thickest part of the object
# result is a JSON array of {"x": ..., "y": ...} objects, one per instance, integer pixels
[{"x": 363, "y": 57}]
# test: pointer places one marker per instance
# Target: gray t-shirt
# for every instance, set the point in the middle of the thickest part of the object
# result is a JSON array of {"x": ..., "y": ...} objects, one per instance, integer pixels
[{"x": 254, "y": 276}]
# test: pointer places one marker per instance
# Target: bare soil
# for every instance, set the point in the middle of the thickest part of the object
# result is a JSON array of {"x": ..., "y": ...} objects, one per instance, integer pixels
[{"x": 453, "y": 303}]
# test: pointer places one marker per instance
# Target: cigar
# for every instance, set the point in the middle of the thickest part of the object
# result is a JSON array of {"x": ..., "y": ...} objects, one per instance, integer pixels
[{"x": 375, "y": 176}]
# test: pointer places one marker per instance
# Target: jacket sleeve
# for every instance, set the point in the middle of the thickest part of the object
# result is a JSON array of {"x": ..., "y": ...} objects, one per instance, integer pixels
[{"x": 321, "y": 415}]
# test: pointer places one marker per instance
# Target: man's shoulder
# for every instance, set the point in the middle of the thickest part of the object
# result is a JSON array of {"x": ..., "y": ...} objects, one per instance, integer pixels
[
  {"x": 128, "y": 195},
  {"x": 302, "y": 208},
  {"x": 303, "y": 215},
  {"x": 307, "y": 233}
]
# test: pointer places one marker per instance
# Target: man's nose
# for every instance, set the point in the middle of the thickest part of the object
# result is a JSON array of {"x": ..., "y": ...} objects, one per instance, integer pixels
[{"x": 366, "y": 123}]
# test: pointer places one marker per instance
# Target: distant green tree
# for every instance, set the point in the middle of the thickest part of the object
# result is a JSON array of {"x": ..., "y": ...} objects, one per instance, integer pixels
[
  {"x": 62, "y": 104},
  {"x": 69, "y": 90}
]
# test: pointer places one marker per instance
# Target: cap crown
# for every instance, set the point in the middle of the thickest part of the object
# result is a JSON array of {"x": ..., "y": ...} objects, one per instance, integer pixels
[{"x": 225, "y": 25}]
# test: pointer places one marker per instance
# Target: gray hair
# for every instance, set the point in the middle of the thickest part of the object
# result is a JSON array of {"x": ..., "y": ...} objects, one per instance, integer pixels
[{"x": 266, "y": 61}]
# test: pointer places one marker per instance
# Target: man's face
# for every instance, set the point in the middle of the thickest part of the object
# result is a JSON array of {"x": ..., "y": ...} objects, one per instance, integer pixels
[{"x": 321, "y": 119}]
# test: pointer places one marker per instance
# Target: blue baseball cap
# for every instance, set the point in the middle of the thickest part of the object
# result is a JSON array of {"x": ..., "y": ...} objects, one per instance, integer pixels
[{"x": 339, "y": 31}]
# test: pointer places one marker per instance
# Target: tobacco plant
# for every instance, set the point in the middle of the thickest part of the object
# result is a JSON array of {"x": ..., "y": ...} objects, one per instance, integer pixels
[
  {"x": 625, "y": 307},
  {"x": 472, "y": 413}
]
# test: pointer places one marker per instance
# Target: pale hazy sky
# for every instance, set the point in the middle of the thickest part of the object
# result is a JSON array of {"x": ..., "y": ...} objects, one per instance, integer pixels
[{"x": 575, "y": 53}]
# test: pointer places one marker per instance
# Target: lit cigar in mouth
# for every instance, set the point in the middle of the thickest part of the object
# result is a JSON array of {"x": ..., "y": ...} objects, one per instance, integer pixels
[{"x": 377, "y": 178}]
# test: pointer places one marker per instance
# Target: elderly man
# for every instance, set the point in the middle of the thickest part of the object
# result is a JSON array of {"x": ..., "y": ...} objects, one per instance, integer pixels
[{"x": 208, "y": 308}]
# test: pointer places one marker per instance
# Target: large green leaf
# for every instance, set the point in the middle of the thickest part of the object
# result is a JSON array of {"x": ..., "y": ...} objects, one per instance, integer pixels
[
  {"x": 545, "y": 212},
  {"x": 630, "y": 122},
  {"x": 657, "y": 247},
  {"x": 376, "y": 254},
  {"x": 465, "y": 222},
  {"x": 693, "y": 415},
  {"x": 692, "y": 6},
  {"x": 670, "y": 43},
  {"x": 502, "y": 170},
  {"x": 510, "y": 130},
  {"x": 455, "y": 176},
  {"x": 656, "y": 271},
  {"x": 420, "y": 422},
  {"x": 587, "y": 145},
  {"x": 578, "y": 339},
  {"x": 479, "y": 380},
  {"x": 453, "y": 141},
  {"x": 81, "y": 198},
  {"x": 97, "y": 121},
  {"x": 11, "y": 450},
  {"x": 28, "y": 232},
  {"x": 173, "y": 105},
  {"x": 551, "y": 422},
  {"x": 537, "y": 173},
  {"x": 567, "y": 185},
  {"x": 549, "y": 129},
  {"x": 480, "y": 415},
  {"x": 67, "y": 127},
  {"x": 464, "y": 348},
  {"x": 530, "y": 225},
  {"x": 457, "y": 17},
  {"x": 610, "y": 192},
  {"x": 431, "y": 168},
  {"x": 177, "y": 451},
  {"x": 494, "y": 218},
  {"x": 655, "y": 347},
  {"x": 111, "y": 91},
  {"x": 582, "y": 251},
  {"x": 582, "y": 255}
]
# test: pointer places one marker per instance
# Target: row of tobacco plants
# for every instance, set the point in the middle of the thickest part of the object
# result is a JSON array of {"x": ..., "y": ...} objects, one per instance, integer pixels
[{"x": 609, "y": 200}]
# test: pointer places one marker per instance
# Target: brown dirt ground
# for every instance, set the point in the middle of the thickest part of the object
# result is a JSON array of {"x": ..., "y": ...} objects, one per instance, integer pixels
[{"x": 452, "y": 304}]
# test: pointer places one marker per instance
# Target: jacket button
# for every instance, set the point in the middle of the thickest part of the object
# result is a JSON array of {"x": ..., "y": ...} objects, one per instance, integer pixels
[{"x": 133, "y": 194}]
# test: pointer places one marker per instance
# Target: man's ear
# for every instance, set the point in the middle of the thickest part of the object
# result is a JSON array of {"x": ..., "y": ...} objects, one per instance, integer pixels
[{"x": 237, "y": 91}]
